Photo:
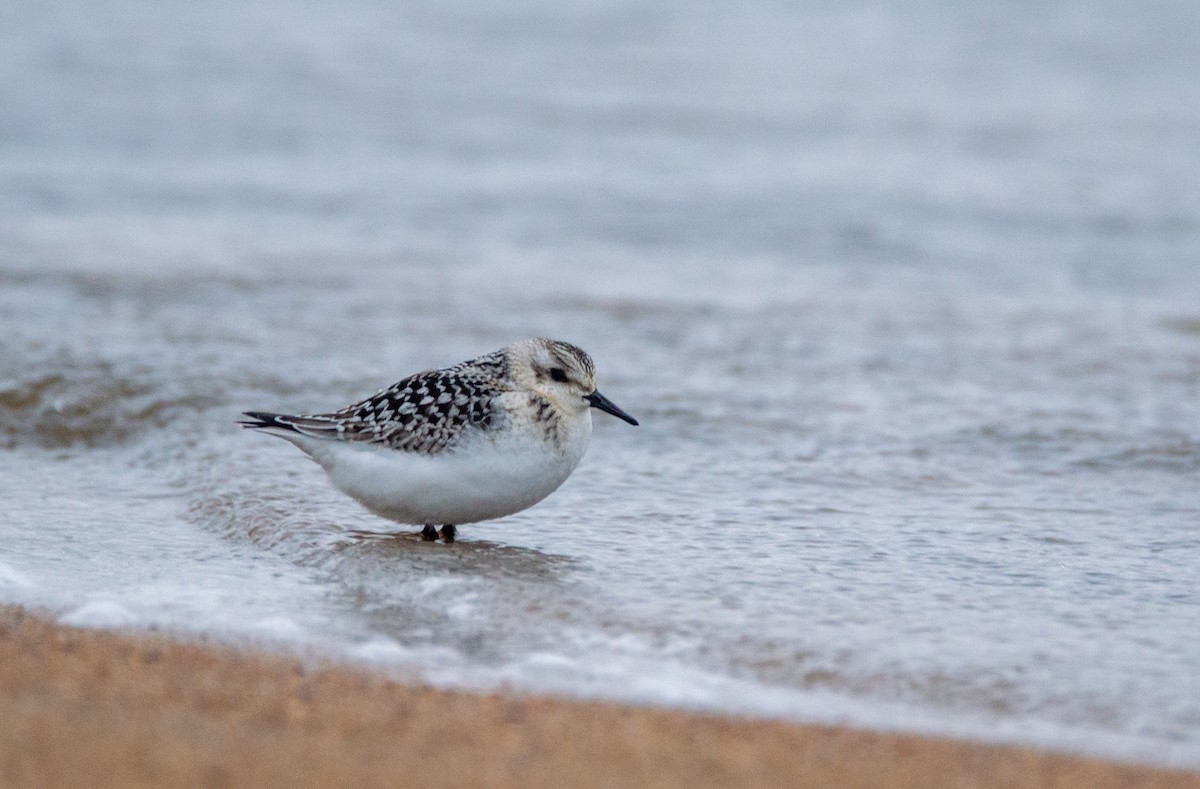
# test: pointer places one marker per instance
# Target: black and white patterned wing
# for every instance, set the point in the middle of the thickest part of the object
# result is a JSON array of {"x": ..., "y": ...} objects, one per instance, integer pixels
[{"x": 427, "y": 412}]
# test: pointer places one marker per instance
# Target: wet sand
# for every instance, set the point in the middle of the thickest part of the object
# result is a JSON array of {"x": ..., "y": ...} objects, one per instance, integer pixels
[{"x": 99, "y": 709}]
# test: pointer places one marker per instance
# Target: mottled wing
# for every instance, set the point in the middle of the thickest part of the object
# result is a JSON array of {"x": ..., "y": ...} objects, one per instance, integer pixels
[{"x": 427, "y": 413}]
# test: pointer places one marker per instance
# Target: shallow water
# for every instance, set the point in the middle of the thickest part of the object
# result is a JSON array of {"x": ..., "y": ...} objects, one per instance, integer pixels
[{"x": 906, "y": 301}]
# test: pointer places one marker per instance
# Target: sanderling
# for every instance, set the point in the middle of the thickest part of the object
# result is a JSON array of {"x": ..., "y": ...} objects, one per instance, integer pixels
[{"x": 478, "y": 440}]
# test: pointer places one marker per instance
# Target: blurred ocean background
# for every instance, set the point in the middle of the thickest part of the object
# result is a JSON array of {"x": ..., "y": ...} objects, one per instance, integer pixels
[{"x": 905, "y": 295}]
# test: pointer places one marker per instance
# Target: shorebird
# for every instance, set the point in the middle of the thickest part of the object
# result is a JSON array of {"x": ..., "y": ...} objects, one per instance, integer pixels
[{"x": 478, "y": 440}]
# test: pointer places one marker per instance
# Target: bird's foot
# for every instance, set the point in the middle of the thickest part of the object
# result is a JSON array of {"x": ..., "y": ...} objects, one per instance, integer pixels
[{"x": 430, "y": 532}]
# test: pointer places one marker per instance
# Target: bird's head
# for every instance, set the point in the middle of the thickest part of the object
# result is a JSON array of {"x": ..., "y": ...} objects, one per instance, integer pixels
[{"x": 562, "y": 373}]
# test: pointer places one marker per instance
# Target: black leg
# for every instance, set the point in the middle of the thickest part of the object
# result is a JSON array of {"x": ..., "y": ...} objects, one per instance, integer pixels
[
  {"x": 449, "y": 532},
  {"x": 429, "y": 533}
]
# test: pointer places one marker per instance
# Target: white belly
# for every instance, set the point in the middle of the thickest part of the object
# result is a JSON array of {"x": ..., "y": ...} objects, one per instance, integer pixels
[{"x": 490, "y": 477}]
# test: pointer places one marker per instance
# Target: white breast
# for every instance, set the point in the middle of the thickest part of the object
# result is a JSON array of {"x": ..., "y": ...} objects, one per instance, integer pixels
[{"x": 493, "y": 475}]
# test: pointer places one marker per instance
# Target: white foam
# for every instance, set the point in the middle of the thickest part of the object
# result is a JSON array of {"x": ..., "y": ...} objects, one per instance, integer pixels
[
  {"x": 281, "y": 627},
  {"x": 100, "y": 613},
  {"x": 380, "y": 649},
  {"x": 13, "y": 580}
]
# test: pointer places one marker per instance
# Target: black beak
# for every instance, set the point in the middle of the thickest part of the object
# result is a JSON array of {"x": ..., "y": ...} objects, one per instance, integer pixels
[{"x": 604, "y": 404}]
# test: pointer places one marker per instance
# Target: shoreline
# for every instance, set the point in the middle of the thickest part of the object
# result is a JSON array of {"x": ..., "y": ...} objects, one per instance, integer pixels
[{"x": 82, "y": 707}]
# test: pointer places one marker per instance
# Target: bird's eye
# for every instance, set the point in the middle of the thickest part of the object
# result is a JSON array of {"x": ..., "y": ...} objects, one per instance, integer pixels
[{"x": 558, "y": 374}]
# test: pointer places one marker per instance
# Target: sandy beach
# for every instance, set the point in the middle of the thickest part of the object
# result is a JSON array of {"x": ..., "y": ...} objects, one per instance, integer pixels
[
  {"x": 100, "y": 709},
  {"x": 903, "y": 296}
]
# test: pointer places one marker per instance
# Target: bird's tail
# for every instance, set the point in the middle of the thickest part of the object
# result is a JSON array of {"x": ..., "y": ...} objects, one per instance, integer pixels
[{"x": 261, "y": 420}]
